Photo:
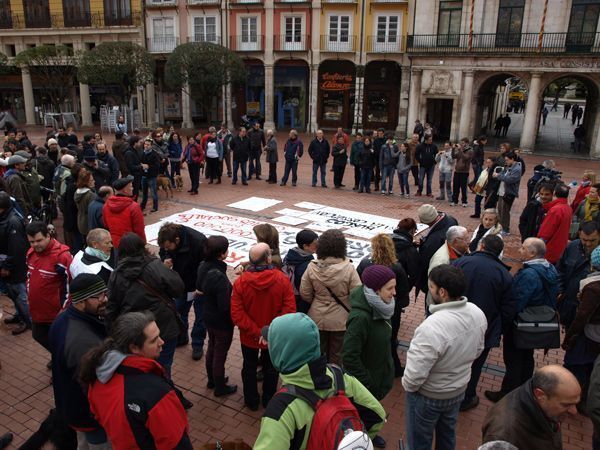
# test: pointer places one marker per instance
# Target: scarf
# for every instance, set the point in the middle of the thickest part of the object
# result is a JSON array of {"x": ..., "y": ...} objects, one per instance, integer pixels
[
  {"x": 590, "y": 208},
  {"x": 381, "y": 309},
  {"x": 97, "y": 253}
]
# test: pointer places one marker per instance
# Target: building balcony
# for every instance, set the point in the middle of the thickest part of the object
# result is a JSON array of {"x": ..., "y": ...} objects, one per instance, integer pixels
[
  {"x": 210, "y": 38},
  {"x": 162, "y": 44},
  {"x": 384, "y": 44},
  {"x": 255, "y": 43},
  {"x": 522, "y": 43},
  {"x": 245, "y": 2},
  {"x": 151, "y": 4},
  {"x": 290, "y": 43},
  {"x": 122, "y": 20},
  {"x": 390, "y": 1},
  {"x": 65, "y": 21},
  {"x": 203, "y": 2},
  {"x": 340, "y": 1},
  {"x": 338, "y": 44}
]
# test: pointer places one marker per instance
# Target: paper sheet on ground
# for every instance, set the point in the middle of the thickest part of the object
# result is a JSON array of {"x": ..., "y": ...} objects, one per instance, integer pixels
[
  {"x": 309, "y": 205},
  {"x": 254, "y": 204},
  {"x": 290, "y": 212},
  {"x": 289, "y": 220}
]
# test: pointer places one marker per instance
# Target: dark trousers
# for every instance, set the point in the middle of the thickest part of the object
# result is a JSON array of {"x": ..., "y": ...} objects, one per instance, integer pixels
[
  {"x": 175, "y": 170},
  {"x": 272, "y": 172},
  {"x": 254, "y": 167},
  {"x": 415, "y": 173},
  {"x": 338, "y": 175},
  {"x": 39, "y": 332},
  {"x": 460, "y": 181},
  {"x": 227, "y": 160},
  {"x": 476, "y": 369},
  {"x": 477, "y": 169},
  {"x": 519, "y": 365},
  {"x": 365, "y": 179},
  {"x": 376, "y": 175},
  {"x": 194, "y": 170},
  {"x": 504, "y": 206},
  {"x": 478, "y": 200},
  {"x": 219, "y": 341},
  {"x": 137, "y": 184},
  {"x": 315, "y": 168},
  {"x": 212, "y": 168},
  {"x": 242, "y": 166},
  {"x": 251, "y": 396},
  {"x": 396, "y": 318},
  {"x": 356, "y": 176},
  {"x": 293, "y": 167}
]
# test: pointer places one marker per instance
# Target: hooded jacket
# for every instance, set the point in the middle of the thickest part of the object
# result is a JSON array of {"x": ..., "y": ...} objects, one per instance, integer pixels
[
  {"x": 536, "y": 284},
  {"x": 366, "y": 352},
  {"x": 95, "y": 219},
  {"x": 137, "y": 405},
  {"x": 554, "y": 229},
  {"x": 287, "y": 420},
  {"x": 407, "y": 254},
  {"x": 298, "y": 259},
  {"x": 187, "y": 257},
  {"x": 125, "y": 294},
  {"x": 13, "y": 247},
  {"x": 16, "y": 187},
  {"x": 341, "y": 277},
  {"x": 518, "y": 419},
  {"x": 83, "y": 197},
  {"x": 213, "y": 282},
  {"x": 72, "y": 334},
  {"x": 48, "y": 281},
  {"x": 259, "y": 295},
  {"x": 123, "y": 215}
]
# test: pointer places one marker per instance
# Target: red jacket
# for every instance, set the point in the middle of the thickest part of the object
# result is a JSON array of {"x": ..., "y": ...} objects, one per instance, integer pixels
[
  {"x": 137, "y": 405},
  {"x": 580, "y": 195},
  {"x": 48, "y": 281},
  {"x": 123, "y": 215},
  {"x": 258, "y": 297},
  {"x": 193, "y": 153},
  {"x": 555, "y": 228}
]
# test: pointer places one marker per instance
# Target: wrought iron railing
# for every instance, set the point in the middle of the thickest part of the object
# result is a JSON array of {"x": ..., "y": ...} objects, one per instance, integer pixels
[
  {"x": 386, "y": 44},
  {"x": 79, "y": 20},
  {"x": 338, "y": 43},
  {"x": 247, "y": 43},
  {"x": 290, "y": 42},
  {"x": 162, "y": 44},
  {"x": 212, "y": 38}
]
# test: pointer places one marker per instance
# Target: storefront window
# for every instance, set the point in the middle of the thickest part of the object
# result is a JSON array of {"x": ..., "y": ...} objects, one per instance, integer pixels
[
  {"x": 255, "y": 91},
  {"x": 377, "y": 106},
  {"x": 333, "y": 105},
  {"x": 290, "y": 96}
]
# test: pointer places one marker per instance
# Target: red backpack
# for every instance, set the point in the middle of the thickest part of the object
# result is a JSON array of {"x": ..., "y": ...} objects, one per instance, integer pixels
[{"x": 333, "y": 415}]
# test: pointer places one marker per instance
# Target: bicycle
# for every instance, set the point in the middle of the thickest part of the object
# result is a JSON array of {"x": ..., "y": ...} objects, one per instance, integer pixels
[{"x": 48, "y": 212}]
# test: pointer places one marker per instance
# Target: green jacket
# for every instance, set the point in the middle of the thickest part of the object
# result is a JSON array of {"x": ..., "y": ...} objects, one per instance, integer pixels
[
  {"x": 287, "y": 419},
  {"x": 366, "y": 353},
  {"x": 355, "y": 153}
]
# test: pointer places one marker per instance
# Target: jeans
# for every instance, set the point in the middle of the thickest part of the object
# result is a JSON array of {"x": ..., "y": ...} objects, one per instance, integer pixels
[
  {"x": 198, "y": 329},
  {"x": 167, "y": 353},
  {"x": 219, "y": 341},
  {"x": 388, "y": 174},
  {"x": 460, "y": 182},
  {"x": 426, "y": 416},
  {"x": 338, "y": 175},
  {"x": 403, "y": 181},
  {"x": 18, "y": 294},
  {"x": 175, "y": 170},
  {"x": 476, "y": 368},
  {"x": 254, "y": 167},
  {"x": 149, "y": 182},
  {"x": 242, "y": 166},
  {"x": 194, "y": 170},
  {"x": 270, "y": 376},
  {"x": 478, "y": 200},
  {"x": 293, "y": 166},
  {"x": 425, "y": 171},
  {"x": 365, "y": 179},
  {"x": 315, "y": 167},
  {"x": 504, "y": 206},
  {"x": 446, "y": 185}
]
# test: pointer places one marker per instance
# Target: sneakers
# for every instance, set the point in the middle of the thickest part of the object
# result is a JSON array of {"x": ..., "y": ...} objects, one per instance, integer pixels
[
  {"x": 452, "y": 204},
  {"x": 406, "y": 195},
  {"x": 383, "y": 193},
  {"x": 494, "y": 396},
  {"x": 464, "y": 205},
  {"x": 19, "y": 329},
  {"x": 469, "y": 403}
]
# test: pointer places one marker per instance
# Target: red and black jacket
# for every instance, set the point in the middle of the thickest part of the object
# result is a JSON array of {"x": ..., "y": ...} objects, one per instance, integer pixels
[{"x": 138, "y": 407}]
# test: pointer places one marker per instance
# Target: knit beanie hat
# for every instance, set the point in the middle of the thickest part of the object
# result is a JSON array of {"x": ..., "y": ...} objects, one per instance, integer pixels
[
  {"x": 595, "y": 258},
  {"x": 376, "y": 276},
  {"x": 427, "y": 213},
  {"x": 86, "y": 285}
]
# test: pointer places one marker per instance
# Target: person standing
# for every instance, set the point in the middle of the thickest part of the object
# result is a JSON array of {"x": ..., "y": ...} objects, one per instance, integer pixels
[
  {"x": 151, "y": 165},
  {"x": 438, "y": 361},
  {"x": 259, "y": 295},
  {"x": 510, "y": 179},
  {"x": 97, "y": 258},
  {"x": 214, "y": 158},
  {"x": 478, "y": 157},
  {"x": 318, "y": 150},
  {"x": 175, "y": 152},
  {"x": 505, "y": 124},
  {"x": 296, "y": 261},
  {"x": 534, "y": 212},
  {"x": 119, "y": 147},
  {"x": 366, "y": 165},
  {"x": 355, "y": 151},
  {"x": 182, "y": 251},
  {"x": 463, "y": 154},
  {"x": 425, "y": 156},
  {"x": 44, "y": 166},
  {"x": 257, "y": 143},
  {"x": 84, "y": 196},
  {"x": 109, "y": 160},
  {"x": 193, "y": 156},
  {"x": 240, "y": 146},
  {"x": 554, "y": 230},
  {"x": 388, "y": 160},
  {"x": 15, "y": 185},
  {"x": 340, "y": 159},
  {"x": 489, "y": 287},
  {"x": 378, "y": 141},
  {"x": 544, "y": 115},
  {"x": 48, "y": 277},
  {"x": 121, "y": 213},
  {"x": 445, "y": 167},
  {"x": 292, "y": 152},
  {"x": 412, "y": 150},
  {"x": 271, "y": 156},
  {"x": 133, "y": 160},
  {"x": 488, "y": 225},
  {"x": 403, "y": 167},
  {"x": 225, "y": 136},
  {"x": 95, "y": 219}
]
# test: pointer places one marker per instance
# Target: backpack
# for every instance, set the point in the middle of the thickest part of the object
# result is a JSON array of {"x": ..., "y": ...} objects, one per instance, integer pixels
[
  {"x": 333, "y": 416},
  {"x": 290, "y": 272}
]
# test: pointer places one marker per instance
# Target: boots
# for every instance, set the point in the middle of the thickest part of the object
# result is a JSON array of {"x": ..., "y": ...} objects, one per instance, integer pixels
[
  {"x": 222, "y": 388},
  {"x": 219, "y": 180}
]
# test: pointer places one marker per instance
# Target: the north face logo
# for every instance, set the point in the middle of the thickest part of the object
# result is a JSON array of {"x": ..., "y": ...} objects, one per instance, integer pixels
[{"x": 134, "y": 407}]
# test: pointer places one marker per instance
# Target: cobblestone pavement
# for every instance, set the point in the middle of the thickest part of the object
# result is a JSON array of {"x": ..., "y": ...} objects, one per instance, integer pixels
[{"x": 26, "y": 394}]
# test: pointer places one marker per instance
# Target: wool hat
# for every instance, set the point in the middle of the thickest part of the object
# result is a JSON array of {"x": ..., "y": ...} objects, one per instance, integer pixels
[
  {"x": 376, "y": 276},
  {"x": 52, "y": 141},
  {"x": 23, "y": 154},
  {"x": 427, "y": 213},
  {"x": 306, "y": 237},
  {"x": 595, "y": 258},
  {"x": 122, "y": 182},
  {"x": 89, "y": 154},
  {"x": 16, "y": 159},
  {"x": 86, "y": 285}
]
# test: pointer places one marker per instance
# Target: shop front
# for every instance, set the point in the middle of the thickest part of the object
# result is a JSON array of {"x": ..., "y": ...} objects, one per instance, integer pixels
[
  {"x": 336, "y": 94},
  {"x": 249, "y": 100},
  {"x": 381, "y": 97},
  {"x": 291, "y": 91}
]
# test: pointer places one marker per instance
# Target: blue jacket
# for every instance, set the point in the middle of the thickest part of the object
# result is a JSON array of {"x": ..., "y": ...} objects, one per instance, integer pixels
[
  {"x": 95, "y": 218},
  {"x": 490, "y": 287},
  {"x": 175, "y": 151},
  {"x": 319, "y": 151},
  {"x": 512, "y": 179},
  {"x": 536, "y": 284},
  {"x": 292, "y": 149}
]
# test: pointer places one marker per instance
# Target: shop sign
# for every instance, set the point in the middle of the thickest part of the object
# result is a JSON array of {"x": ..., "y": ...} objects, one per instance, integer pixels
[{"x": 336, "y": 81}]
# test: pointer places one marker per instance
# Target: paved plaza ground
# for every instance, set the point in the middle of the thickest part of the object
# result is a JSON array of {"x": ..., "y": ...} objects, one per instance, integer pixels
[{"x": 26, "y": 393}]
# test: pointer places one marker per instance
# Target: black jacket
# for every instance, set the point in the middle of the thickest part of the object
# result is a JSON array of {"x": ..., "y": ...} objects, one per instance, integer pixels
[
  {"x": 425, "y": 155},
  {"x": 45, "y": 167},
  {"x": 240, "y": 148},
  {"x": 478, "y": 155},
  {"x": 133, "y": 160},
  {"x": 187, "y": 257},
  {"x": 112, "y": 164},
  {"x": 402, "y": 286},
  {"x": 212, "y": 280},
  {"x": 367, "y": 157},
  {"x": 319, "y": 151},
  {"x": 490, "y": 287},
  {"x": 572, "y": 267},
  {"x": 407, "y": 254},
  {"x": 257, "y": 140},
  {"x": 299, "y": 260},
  {"x": 430, "y": 244},
  {"x": 14, "y": 245},
  {"x": 125, "y": 294},
  {"x": 73, "y": 333},
  {"x": 152, "y": 158},
  {"x": 531, "y": 219},
  {"x": 70, "y": 207},
  {"x": 101, "y": 174},
  {"x": 340, "y": 155}
]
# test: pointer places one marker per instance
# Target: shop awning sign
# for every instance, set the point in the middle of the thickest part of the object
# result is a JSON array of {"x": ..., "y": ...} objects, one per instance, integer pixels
[{"x": 336, "y": 81}]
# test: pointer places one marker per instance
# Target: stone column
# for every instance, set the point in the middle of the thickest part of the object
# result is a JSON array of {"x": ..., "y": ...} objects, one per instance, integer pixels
[
  {"x": 466, "y": 107},
  {"x": 229, "y": 104},
  {"x": 269, "y": 89},
  {"x": 401, "y": 129},
  {"x": 28, "y": 97},
  {"x": 150, "y": 105},
  {"x": 86, "y": 110},
  {"x": 414, "y": 98},
  {"x": 314, "y": 90},
  {"x": 532, "y": 114},
  {"x": 186, "y": 109}
]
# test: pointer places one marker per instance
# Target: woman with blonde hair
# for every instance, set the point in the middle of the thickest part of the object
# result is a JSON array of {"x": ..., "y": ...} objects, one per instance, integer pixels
[
  {"x": 489, "y": 225},
  {"x": 587, "y": 180},
  {"x": 383, "y": 253}
]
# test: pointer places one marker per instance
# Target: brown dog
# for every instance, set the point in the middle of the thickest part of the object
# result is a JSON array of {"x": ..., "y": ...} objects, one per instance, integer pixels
[
  {"x": 178, "y": 183},
  {"x": 163, "y": 183}
]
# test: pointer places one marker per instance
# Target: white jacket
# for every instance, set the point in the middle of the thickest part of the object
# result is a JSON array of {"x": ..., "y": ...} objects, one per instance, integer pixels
[{"x": 438, "y": 362}]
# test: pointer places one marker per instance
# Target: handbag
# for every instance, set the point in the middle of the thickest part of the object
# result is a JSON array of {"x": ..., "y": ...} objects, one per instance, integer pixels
[
  {"x": 337, "y": 300},
  {"x": 168, "y": 302}
]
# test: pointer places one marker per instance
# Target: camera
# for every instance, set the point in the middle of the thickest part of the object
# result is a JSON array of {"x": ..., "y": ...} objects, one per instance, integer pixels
[{"x": 498, "y": 169}]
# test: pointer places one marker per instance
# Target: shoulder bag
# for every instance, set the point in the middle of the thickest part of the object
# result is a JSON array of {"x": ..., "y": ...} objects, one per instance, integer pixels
[{"x": 168, "y": 302}]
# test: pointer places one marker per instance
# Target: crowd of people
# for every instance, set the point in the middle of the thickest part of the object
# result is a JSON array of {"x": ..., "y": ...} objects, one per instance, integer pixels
[{"x": 111, "y": 314}]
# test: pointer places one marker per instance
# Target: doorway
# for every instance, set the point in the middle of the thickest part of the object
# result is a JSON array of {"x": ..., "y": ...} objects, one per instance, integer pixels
[{"x": 439, "y": 115}]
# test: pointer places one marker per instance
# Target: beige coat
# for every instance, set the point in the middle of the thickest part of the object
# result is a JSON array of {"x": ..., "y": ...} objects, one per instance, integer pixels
[{"x": 341, "y": 277}]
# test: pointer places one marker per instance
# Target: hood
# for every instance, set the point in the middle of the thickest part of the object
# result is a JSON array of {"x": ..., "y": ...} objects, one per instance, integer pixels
[
  {"x": 401, "y": 238},
  {"x": 131, "y": 268},
  {"x": 82, "y": 191},
  {"x": 118, "y": 203},
  {"x": 293, "y": 342},
  {"x": 358, "y": 300},
  {"x": 557, "y": 201},
  {"x": 109, "y": 363},
  {"x": 544, "y": 269},
  {"x": 259, "y": 280},
  {"x": 329, "y": 269},
  {"x": 208, "y": 265},
  {"x": 312, "y": 376},
  {"x": 297, "y": 256}
]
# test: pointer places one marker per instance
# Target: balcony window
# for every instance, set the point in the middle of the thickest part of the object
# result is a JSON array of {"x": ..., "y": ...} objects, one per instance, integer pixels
[
  {"x": 583, "y": 25},
  {"x": 339, "y": 34},
  {"x": 37, "y": 13},
  {"x": 449, "y": 23},
  {"x": 387, "y": 38},
  {"x": 5, "y": 15},
  {"x": 293, "y": 33},
  {"x": 117, "y": 12},
  {"x": 163, "y": 35},
  {"x": 161, "y": 2},
  {"x": 249, "y": 36},
  {"x": 77, "y": 13},
  {"x": 510, "y": 23},
  {"x": 205, "y": 29}
]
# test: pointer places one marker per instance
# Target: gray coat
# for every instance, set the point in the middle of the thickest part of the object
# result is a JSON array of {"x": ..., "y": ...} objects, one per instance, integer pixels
[
  {"x": 271, "y": 150},
  {"x": 511, "y": 176}
]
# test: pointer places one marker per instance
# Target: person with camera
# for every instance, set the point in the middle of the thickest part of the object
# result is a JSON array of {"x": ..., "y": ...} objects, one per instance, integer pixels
[
  {"x": 510, "y": 179},
  {"x": 292, "y": 152},
  {"x": 463, "y": 154}
]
